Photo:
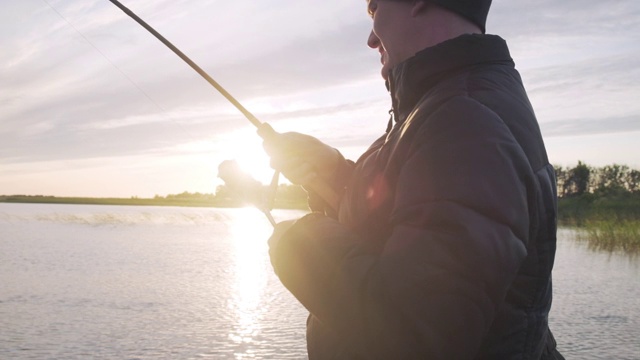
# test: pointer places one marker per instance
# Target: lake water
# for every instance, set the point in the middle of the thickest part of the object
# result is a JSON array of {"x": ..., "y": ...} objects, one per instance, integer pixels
[{"x": 117, "y": 282}]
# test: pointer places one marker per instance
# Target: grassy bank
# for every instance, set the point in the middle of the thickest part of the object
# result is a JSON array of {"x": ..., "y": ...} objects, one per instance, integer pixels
[
  {"x": 613, "y": 235},
  {"x": 609, "y": 223}
]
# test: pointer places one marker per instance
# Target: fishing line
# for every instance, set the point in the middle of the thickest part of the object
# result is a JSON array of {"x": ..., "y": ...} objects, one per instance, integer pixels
[
  {"x": 107, "y": 58},
  {"x": 264, "y": 130},
  {"x": 163, "y": 110}
]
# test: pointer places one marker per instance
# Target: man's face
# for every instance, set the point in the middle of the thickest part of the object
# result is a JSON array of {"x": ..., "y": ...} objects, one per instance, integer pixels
[{"x": 391, "y": 21}]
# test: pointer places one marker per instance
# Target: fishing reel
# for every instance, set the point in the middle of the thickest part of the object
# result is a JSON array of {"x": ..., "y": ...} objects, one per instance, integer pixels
[{"x": 249, "y": 190}]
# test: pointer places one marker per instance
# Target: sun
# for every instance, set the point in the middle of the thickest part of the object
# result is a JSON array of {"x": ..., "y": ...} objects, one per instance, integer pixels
[{"x": 245, "y": 147}]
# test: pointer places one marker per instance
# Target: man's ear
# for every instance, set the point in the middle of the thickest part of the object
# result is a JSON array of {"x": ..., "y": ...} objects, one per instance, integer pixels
[{"x": 419, "y": 6}]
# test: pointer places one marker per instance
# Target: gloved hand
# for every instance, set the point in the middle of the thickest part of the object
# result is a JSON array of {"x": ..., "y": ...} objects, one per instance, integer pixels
[{"x": 299, "y": 157}]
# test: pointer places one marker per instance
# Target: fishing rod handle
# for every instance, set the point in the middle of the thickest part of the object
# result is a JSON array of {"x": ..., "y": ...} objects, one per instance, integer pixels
[{"x": 315, "y": 184}]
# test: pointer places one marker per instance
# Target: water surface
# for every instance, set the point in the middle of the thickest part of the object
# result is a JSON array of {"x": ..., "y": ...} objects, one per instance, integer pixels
[
  {"x": 596, "y": 304},
  {"x": 117, "y": 282},
  {"x": 141, "y": 282}
]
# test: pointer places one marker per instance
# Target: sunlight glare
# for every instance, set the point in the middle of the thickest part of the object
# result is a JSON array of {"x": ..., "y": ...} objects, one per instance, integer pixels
[
  {"x": 249, "y": 231},
  {"x": 246, "y": 148}
]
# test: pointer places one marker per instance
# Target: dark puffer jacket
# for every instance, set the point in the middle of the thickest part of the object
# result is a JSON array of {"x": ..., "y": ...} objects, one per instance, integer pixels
[{"x": 445, "y": 238}]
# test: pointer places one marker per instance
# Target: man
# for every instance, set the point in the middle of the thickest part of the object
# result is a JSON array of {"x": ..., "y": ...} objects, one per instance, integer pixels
[{"x": 443, "y": 241}]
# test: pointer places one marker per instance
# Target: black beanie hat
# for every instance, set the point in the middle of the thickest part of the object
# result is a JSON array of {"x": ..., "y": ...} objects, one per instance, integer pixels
[{"x": 474, "y": 10}]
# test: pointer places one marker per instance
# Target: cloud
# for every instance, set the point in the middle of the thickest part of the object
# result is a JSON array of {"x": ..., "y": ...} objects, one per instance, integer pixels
[
  {"x": 79, "y": 103},
  {"x": 69, "y": 60},
  {"x": 600, "y": 87},
  {"x": 586, "y": 126},
  {"x": 586, "y": 18},
  {"x": 102, "y": 87}
]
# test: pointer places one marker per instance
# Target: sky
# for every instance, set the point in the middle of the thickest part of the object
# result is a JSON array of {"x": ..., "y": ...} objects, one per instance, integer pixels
[{"x": 91, "y": 104}]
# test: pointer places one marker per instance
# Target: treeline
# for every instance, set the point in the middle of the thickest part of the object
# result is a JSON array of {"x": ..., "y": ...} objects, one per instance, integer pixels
[
  {"x": 582, "y": 189},
  {"x": 610, "y": 192},
  {"x": 608, "y": 180},
  {"x": 132, "y": 201},
  {"x": 604, "y": 202},
  {"x": 580, "y": 185},
  {"x": 287, "y": 196},
  {"x": 187, "y": 196}
]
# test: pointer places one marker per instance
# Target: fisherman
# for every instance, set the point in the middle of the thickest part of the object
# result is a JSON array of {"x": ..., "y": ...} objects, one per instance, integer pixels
[{"x": 444, "y": 239}]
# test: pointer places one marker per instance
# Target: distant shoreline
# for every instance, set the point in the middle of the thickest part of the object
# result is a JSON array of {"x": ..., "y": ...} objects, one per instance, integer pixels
[
  {"x": 611, "y": 223},
  {"x": 135, "y": 201}
]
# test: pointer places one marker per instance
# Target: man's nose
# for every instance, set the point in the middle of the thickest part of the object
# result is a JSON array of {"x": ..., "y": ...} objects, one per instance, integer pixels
[{"x": 373, "y": 41}]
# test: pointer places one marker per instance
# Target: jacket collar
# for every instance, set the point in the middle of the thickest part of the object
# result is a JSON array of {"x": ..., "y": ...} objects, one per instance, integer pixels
[{"x": 411, "y": 79}]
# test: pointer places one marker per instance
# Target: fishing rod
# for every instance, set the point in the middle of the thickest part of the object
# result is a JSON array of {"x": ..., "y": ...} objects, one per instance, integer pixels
[
  {"x": 264, "y": 130},
  {"x": 257, "y": 123}
]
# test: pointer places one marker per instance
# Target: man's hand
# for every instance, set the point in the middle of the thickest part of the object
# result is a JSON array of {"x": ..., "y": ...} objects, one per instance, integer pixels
[
  {"x": 299, "y": 157},
  {"x": 278, "y": 230}
]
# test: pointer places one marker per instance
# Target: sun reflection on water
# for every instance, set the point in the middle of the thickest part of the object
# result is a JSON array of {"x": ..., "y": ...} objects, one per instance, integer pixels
[{"x": 249, "y": 231}]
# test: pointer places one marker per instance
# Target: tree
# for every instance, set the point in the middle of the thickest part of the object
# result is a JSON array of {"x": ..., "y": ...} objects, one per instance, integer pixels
[
  {"x": 577, "y": 180},
  {"x": 561, "y": 178},
  {"x": 222, "y": 192},
  {"x": 612, "y": 179},
  {"x": 291, "y": 193},
  {"x": 633, "y": 181}
]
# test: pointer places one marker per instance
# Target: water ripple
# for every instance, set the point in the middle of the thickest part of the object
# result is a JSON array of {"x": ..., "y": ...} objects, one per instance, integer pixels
[{"x": 170, "y": 283}]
